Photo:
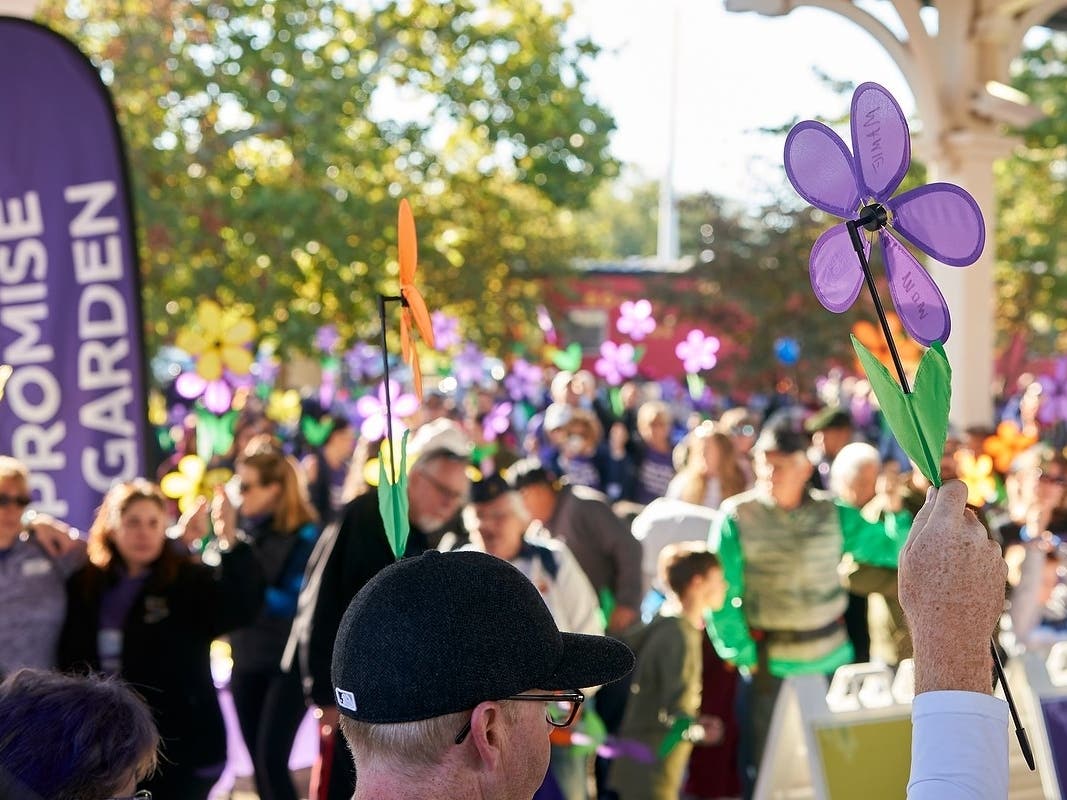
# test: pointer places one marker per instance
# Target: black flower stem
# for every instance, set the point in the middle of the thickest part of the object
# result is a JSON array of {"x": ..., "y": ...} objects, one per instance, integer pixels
[
  {"x": 382, "y": 300},
  {"x": 857, "y": 243}
]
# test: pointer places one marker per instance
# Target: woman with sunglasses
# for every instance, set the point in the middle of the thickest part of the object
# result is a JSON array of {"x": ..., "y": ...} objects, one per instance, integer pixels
[
  {"x": 144, "y": 610},
  {"x": 279, "y": 520},
  {"x": 37, "y": 555}
]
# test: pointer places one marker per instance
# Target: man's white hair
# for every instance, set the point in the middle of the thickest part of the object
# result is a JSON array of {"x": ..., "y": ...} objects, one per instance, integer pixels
[{"x": 848, "y": 464}]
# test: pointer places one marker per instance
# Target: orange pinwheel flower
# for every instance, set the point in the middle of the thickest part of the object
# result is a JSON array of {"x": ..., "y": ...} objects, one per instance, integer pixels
[
  {"x": 414, "y": 309},
  {"x": 1006, "y": 444},
  {"x": 870, "y": 336}
]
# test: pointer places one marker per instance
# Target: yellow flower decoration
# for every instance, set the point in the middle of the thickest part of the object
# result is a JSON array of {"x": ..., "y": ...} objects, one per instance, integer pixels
[
  {"x": 157, "y": 408},
  {"x": 284, "y": 407},
  {"x": 219, "y": 339},
  {"x": 977, "y": 473},
  {"x": 1006, "y": 444},
  {"x": 192, "y": 481}
]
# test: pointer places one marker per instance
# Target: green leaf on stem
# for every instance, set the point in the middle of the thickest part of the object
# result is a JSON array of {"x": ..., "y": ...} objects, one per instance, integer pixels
[{"x": 919, "y": 420}]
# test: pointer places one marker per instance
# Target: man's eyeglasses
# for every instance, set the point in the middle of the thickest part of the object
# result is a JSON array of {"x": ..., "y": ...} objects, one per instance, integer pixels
[
  {"x": 144, "y": 794},
  {"x": 446, "y": 491},
  {"x": 21, "y": 500},
  {"x": 560, "y": 711}
]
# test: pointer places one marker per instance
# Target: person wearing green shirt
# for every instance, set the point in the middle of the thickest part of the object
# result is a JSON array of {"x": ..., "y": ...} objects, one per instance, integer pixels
[{"x": 780, "y": 545}]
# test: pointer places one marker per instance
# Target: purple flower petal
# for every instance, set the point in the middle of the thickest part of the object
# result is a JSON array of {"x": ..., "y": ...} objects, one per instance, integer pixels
[
  {"x": 217, "y": 397},
  {"x": 819, "y": 166},
  {"x": 836, "y": 275},
  {"x": 880, "y": 141},
  {"x": 920, "y": 305},
  {"x": 942, "y": 220},
  {"x": 190, "y": 385}
]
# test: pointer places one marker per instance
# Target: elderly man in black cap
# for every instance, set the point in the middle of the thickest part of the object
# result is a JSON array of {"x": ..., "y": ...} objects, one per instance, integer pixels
[
  {"x": 498, "y": 524},
  {"x": 449, "y": 673},
  {"x": 349, "y": 553}
]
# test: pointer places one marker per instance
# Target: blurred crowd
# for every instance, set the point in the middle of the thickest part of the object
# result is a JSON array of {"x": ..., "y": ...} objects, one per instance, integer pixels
[{"x": 729, "y": 547}]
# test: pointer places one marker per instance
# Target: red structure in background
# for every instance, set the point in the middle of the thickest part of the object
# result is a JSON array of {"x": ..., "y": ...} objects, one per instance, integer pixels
[{"x": 586, "y": 308}]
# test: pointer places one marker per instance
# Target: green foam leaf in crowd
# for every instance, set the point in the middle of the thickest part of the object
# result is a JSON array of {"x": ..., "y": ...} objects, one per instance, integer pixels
[
  {"x": 214, "y": 432},
  {"x": 674, "y": 735},
  {"x": 393, "y": 496},
  {"x": 316, "y": 431},
  {"x": 569, "y": 359},
  {"x": 919, "y": 420}
]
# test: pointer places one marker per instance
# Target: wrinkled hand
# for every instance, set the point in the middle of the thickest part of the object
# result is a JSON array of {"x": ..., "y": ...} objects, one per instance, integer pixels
[
  {"x": 223, "y": 518},
  {"x": 54, "y": 536},
  {"x": 951, "y": 583}
]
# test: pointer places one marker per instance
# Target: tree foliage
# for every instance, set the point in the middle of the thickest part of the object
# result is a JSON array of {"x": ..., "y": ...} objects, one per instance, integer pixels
[
  {"x": 270, "y": 142},
  {"x": 1032, "y": 192}
]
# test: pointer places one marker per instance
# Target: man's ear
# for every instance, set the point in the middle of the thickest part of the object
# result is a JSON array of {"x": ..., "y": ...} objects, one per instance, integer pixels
[{"x": 488, "y": 734}]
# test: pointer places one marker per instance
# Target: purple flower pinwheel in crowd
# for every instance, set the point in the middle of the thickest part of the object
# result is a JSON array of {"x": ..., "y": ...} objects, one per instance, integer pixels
[
  {"x": 941, "y": 219},
  {"x": 364, "y": 362},
  {"x": 265, "y": 367},
  {"x": 544, "y": 322},
  {"x": 469, "y": 366},
  {"x": 445, "y": 330},
  {"x": 326, "y": 338},
  {"x": 697, "y": 351},
  {"x": 371, "y": 408},
  {"x": 216, "y": 395},
  {"x": 328, "y": 384},
  {"x": 635, "y": 319},
  {"x": 523, "y": 381},
  {"x": 616, "y": 362},
  {"x": 1054, "y": 394},
  {"x": 497, "y": 421}
]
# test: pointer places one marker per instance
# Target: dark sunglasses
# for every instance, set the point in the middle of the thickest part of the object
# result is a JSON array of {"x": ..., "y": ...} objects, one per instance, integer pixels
[{"x": 21, "y": 500}]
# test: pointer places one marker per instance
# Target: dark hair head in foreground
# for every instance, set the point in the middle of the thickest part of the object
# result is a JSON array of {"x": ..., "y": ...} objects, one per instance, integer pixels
[{"x": 72, "y": 738}]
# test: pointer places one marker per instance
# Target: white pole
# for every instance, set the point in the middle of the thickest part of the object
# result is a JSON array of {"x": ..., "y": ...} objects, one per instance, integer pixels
[{"x": 667, "y": 233}]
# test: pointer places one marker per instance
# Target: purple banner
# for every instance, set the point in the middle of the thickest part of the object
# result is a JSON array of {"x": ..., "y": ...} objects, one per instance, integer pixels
[{"x": 74, "y": 406}]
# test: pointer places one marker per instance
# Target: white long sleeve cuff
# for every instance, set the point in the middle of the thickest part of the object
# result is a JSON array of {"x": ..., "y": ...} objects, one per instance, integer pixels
[{"x": 959, "y": 747}]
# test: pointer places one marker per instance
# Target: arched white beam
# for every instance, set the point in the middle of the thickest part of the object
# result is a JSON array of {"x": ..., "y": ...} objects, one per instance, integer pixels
[{"x": 1037, "y": 15}]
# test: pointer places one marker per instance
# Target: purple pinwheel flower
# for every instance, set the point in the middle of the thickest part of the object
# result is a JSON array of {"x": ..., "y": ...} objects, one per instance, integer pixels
[
  {"x": 468, "y": 366},
  {"x": 523, "y": 382},
  {"x": 544, "y": 322},
  {"x": 328, "y": 385},
  {"x": 364, "y": 362},
  {"x": 635, "y": 319},
  {"x": 216, "y": 395},
  {"x": 445, "y": 330},
  {"x": 1054, "y": 394},
  {"x": 941, "y": 219},
  {"x": 265, "y": 367},
  {"x": 497, "y": 421},
  {"x": 326, "y": 338},
  {"x": 371, "y": 409},
  {"x": 616, "y": 362},
  {"x": 697, "y": 351}
]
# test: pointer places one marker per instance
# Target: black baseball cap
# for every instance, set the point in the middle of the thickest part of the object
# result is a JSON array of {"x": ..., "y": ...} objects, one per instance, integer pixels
[
  {"x": 489, "y": 488},
  {"x": 443, "y": 632},
  {"x": 783, "y": 433},
  {"x": 528, "y": 472}
]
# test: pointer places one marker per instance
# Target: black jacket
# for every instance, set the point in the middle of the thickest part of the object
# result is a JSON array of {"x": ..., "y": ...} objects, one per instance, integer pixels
[
  {"x": 349, "y": 553},
  {"x": 166, "y": 644}
]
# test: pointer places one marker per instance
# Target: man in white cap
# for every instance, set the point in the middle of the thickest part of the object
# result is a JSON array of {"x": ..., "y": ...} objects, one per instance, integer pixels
[{"x": 352, "y": 551}]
